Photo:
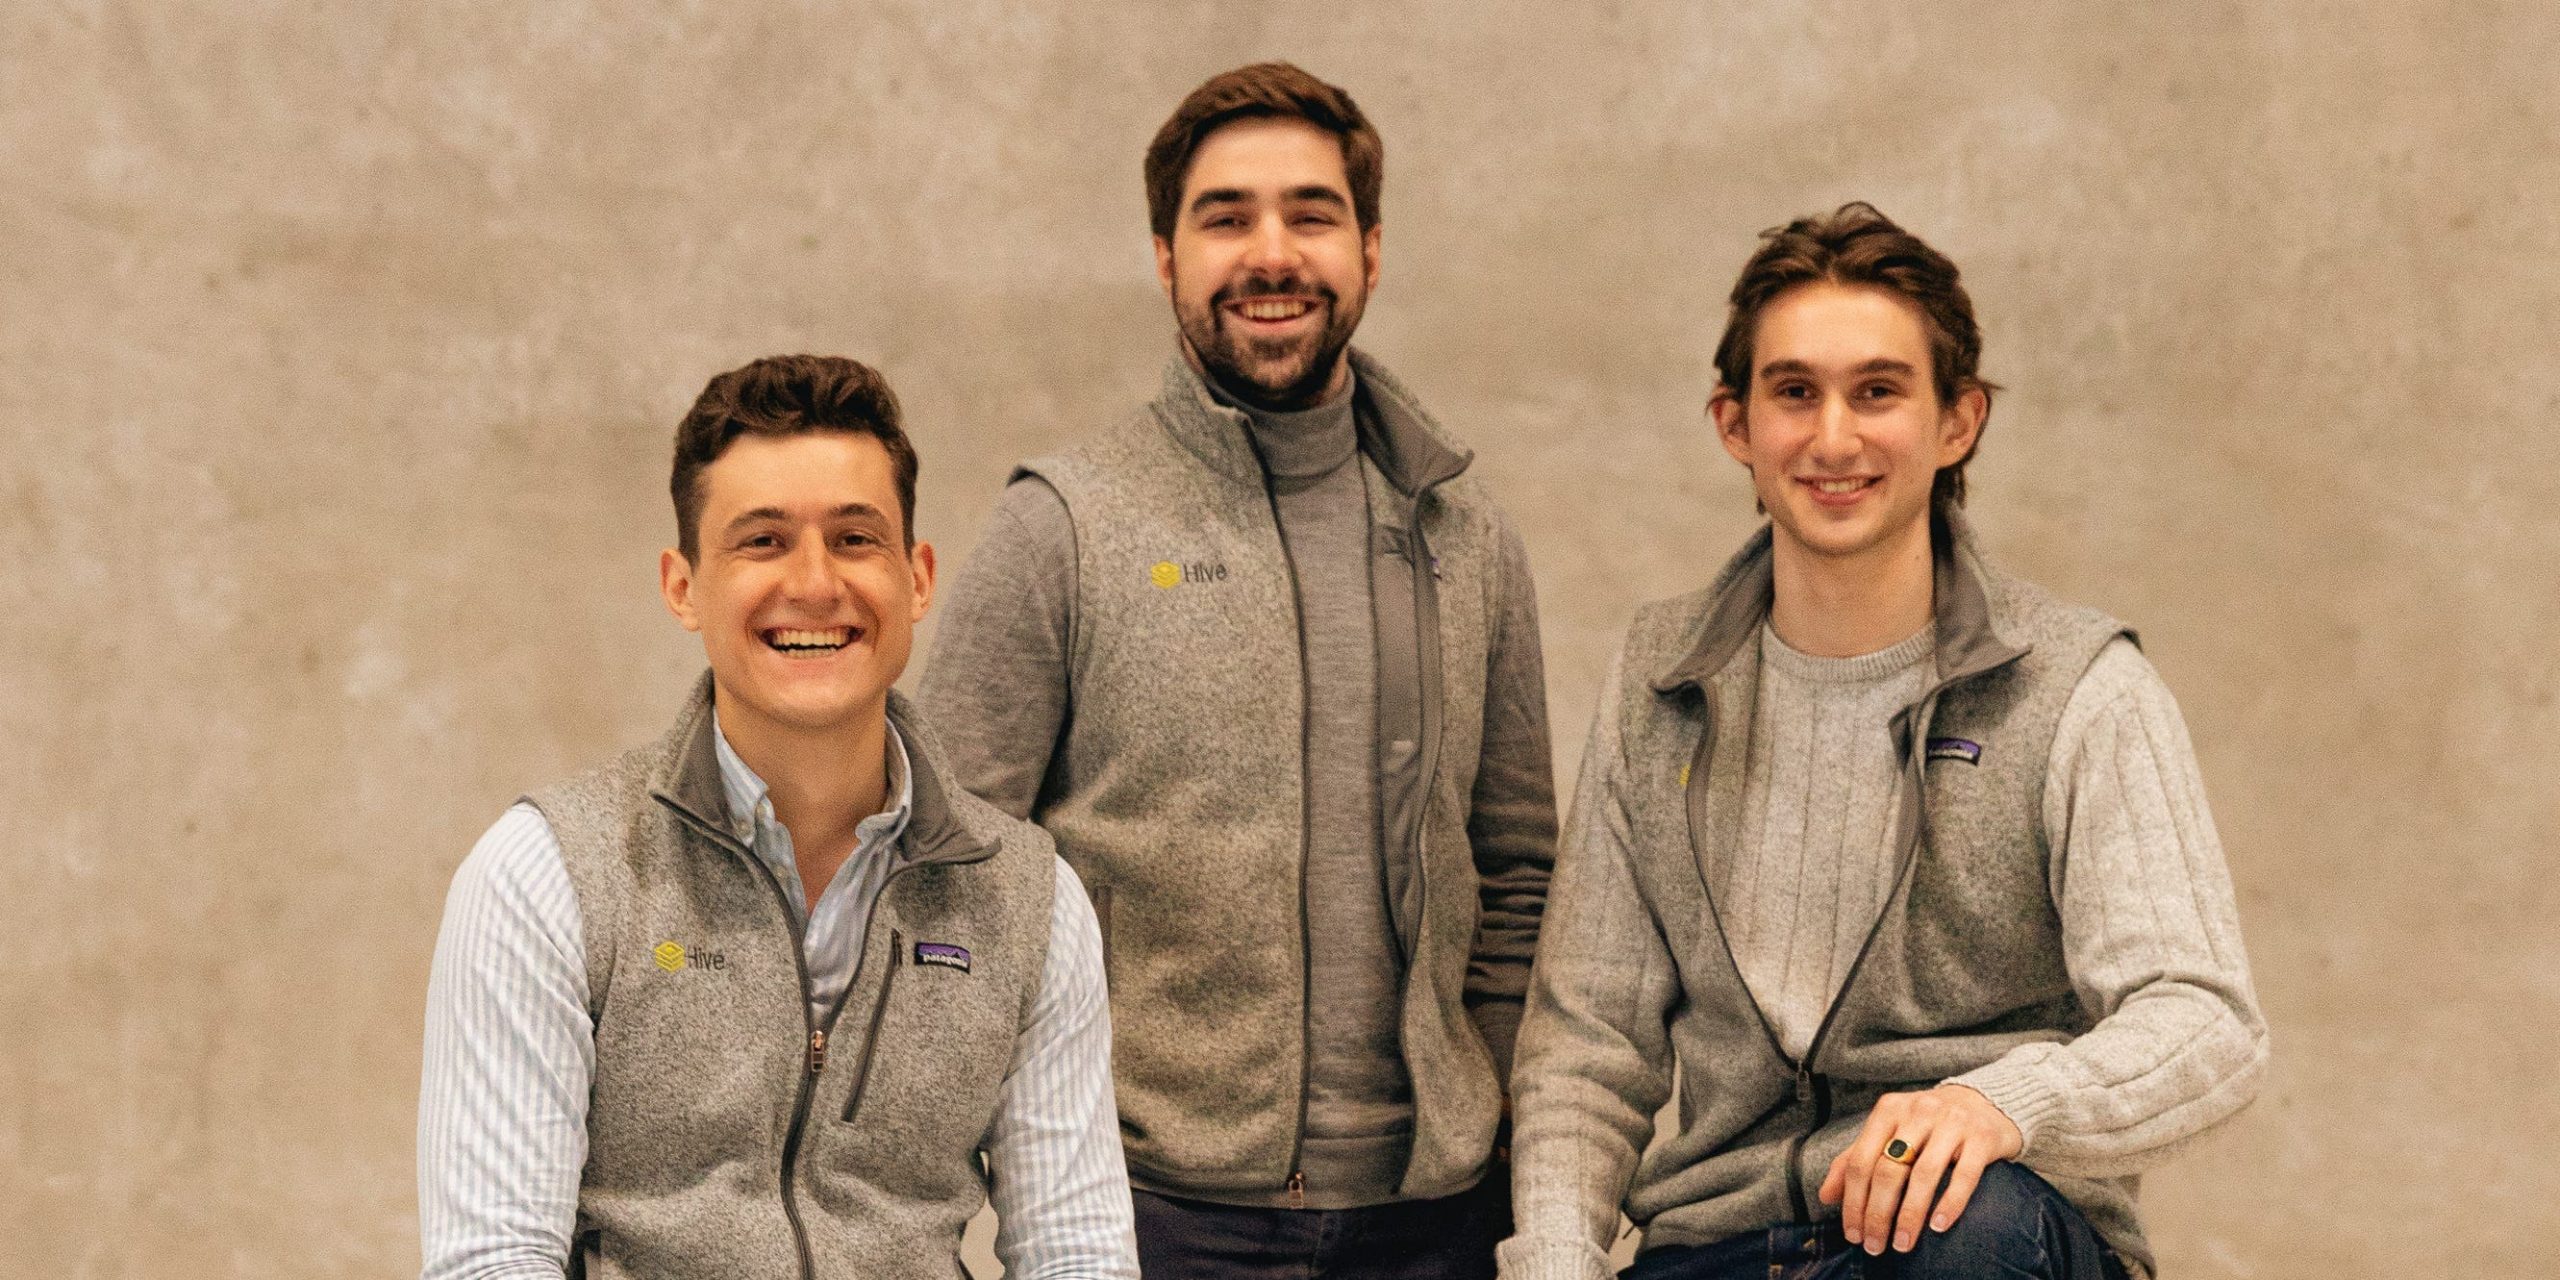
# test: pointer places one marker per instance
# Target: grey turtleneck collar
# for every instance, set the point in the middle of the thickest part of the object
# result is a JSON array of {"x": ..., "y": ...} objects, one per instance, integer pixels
[{"x": 1300, "y": 444}]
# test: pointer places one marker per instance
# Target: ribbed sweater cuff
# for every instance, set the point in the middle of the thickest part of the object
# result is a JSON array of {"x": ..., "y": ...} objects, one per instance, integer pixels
[
  {"x": 1547, "y": 1258},
  {"x": 2023, "y": 1091}
]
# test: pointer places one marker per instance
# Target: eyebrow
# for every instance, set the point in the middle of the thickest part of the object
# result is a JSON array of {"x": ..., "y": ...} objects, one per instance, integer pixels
[
  {"x": 1312, "y": 193},
  {"x": 1880, "y": 364},
  {"x": 850, "y": 510}
]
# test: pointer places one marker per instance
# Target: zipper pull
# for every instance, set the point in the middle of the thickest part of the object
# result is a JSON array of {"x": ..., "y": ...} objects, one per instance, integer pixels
[
  {"x": 817, "y": 1052},
  {"x": 1297, "y": 1190},
  {"x": 1804, "y": 1083}
]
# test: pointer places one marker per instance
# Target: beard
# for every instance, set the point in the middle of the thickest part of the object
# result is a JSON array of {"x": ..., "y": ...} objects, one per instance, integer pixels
[{"x": 1280, "y": 374}]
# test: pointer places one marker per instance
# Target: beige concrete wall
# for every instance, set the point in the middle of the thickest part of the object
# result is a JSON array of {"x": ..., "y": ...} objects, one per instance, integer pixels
[{"x": 339, "y": 351}]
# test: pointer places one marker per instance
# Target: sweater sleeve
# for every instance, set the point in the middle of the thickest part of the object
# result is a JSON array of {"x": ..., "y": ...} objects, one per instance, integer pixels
[
  {"x": 1512, "y": 821},
  {"x": 1595, "y": 1054},
  {"x": 2151, "y": 939},
  {"x": 995, "y": 690}
]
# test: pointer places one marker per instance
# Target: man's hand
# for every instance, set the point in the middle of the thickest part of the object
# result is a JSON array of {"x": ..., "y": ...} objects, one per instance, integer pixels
[{"x": 1947, "y": 1128}]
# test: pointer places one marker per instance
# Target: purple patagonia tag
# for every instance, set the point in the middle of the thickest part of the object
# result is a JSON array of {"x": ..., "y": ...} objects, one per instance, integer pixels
[
  {"x": 1955, "y": 749},
  {"x": 943, "y": 953}
]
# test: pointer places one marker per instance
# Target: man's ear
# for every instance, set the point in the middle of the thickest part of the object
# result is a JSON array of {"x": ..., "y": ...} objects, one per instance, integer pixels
[
  {"x": 1164, "y": 266},
  {"x": 1733, "y": 429},
  {"x": 1369, "y": 241},
  {"x": 1960, "y": 425},
  {"x": 675, "y": 583},
  {"x": 920, "y": 563}
]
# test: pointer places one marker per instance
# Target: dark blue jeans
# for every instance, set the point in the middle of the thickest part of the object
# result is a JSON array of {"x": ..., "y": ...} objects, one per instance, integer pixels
[
  {"x": 2015, "y": 1227},
  {"x": 1445, "y": 1239}
]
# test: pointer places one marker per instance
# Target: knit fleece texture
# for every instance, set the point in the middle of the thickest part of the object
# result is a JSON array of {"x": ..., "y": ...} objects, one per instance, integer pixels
[
  {"x": 719, "y": 1142},
  {"x": 2080, "y": 966},
  {"x": 1163, "y": 747}
]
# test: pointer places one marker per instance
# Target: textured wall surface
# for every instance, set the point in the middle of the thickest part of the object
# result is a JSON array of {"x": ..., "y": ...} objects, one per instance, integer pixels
[{"x": 340, "y": 347}]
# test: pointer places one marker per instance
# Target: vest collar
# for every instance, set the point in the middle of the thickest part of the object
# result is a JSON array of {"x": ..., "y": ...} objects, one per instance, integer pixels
[
  {"x": 688, "y": 780},
  {"x": 1969, "y": 639},
  {"x": 1408, "y": 448}
]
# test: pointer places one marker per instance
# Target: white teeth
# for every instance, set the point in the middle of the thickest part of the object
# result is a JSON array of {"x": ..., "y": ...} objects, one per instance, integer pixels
[
  {"x": 1275, "y": 310},
  {"x": 791, "y": 638},
  {"x": 1839, "y": 486}
]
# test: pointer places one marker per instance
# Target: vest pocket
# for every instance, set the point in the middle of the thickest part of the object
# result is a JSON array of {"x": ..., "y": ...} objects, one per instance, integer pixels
[
  {"x": 879, "y": 1010},
  {"x": 586, "y": 1256}
]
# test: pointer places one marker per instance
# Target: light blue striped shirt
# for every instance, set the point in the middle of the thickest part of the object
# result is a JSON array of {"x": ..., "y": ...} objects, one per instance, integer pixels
[{"x": 510, "y": 1054}]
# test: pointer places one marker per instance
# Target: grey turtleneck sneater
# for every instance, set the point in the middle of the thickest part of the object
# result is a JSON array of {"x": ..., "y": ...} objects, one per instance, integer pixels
[{"x": 1359, "y": 1104}]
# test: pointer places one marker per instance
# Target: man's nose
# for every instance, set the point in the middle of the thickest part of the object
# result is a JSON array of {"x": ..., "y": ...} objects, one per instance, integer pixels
[
  {"x": 808, "y": 574},
  {"x": 1835, "y": 432},
  {"x": 1270, "y": 250}
]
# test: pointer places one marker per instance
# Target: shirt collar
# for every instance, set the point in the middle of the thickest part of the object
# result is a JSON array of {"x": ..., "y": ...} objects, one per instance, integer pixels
[{"x": 750, "y": 812}]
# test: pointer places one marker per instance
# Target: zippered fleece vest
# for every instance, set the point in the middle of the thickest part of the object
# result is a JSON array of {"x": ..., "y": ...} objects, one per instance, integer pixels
[
  {"x": 1178, "y": 792},
  {"x": 731, "y": 1134},
  {"x": 1964, "y": 963}
]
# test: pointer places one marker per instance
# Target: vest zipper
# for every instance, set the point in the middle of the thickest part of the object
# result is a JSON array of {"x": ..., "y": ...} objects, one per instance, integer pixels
[
  {"x": 1915, "y": 804},
  {"x": 879, "y": 1010},
  {"x": 1809, "y": 1087},
  {"x": 1435, "y": 723},
  {"x": 1297, "y": 1182}
]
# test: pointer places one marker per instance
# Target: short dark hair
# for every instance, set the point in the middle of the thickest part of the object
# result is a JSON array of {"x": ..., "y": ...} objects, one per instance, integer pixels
[
  {"x": 1856, "y": 245},
  {"x": 1264, "y": 90},
  {"x": 786, "y": 396}
]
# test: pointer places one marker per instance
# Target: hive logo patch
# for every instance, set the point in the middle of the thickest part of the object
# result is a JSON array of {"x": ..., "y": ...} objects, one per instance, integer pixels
[
  {"x": 675, "y": 957},
  {"x": 1168, "y": 574}
]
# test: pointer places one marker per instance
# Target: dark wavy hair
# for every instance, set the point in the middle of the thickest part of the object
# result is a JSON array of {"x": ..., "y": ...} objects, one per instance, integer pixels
[
  {"x": 1263, "y": 90},
  {"x": 785, "y": 396}
]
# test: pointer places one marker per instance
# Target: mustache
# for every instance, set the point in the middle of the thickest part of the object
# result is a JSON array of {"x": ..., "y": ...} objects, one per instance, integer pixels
[{"x": 1285, "y": 286}]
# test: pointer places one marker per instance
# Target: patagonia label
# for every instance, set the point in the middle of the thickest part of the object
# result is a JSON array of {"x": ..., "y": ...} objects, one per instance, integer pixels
[
  {"x": 1955, "y": 749},
  {"x": 944, "y": 954}
]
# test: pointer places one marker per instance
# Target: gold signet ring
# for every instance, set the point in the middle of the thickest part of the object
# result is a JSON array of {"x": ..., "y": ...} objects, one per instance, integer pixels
[{"x": 1900, "y": 1152}]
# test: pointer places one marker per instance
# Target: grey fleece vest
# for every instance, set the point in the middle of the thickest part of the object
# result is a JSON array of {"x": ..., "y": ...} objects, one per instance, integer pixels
[
  {"x": 730, "y": 1134},
  {"x": 1178, "y": 791},
  {"x": 1966, "y": 960}
]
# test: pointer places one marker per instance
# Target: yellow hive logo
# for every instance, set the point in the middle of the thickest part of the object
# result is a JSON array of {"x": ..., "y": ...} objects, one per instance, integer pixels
[
  {"x": 1684, "y": 777},
  {"x": 1165, "y": 574},
  {"x": 670, "y": 956}
]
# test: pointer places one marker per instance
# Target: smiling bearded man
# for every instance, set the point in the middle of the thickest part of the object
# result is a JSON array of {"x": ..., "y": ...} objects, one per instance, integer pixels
[
  {"x": 1903, "y": 864},
  {"x": 1266, "y": 664},
  {"x": 774, "y": 997}
]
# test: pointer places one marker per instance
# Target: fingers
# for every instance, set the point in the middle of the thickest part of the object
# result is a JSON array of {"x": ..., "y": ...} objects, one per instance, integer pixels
[
  {"x": 1889, "y": 1181},
  {"x": 1950, "y": 1135},
  {"x": 1922, "y": 1188},
  {"x": 1870, "y": 1184},
  {"x": 1959, "y": 1192}
]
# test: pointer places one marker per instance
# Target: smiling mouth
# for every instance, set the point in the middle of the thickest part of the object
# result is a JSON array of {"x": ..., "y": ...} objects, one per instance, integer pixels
[
  {"x": 1840, "y": 486},
  {"x": 1271, "y": 310},
  {"x": 801, "y": 642}
]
